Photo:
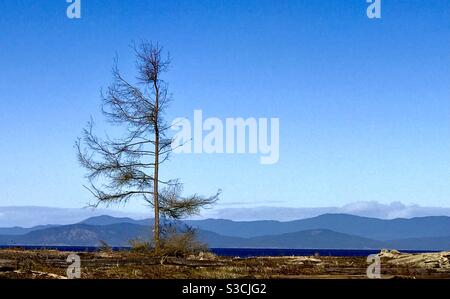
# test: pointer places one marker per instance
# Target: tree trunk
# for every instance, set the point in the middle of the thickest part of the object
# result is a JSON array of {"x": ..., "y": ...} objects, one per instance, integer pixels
[
  {"x": 155, "y": 193},
  {"x": 155, "y": 179}
]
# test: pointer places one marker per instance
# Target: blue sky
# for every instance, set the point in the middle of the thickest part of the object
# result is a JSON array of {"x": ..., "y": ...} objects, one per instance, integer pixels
[{"x": 363, "y": 104}]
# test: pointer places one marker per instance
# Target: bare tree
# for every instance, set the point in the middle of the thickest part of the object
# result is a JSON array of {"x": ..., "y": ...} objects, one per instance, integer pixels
[{"x": 128, "y": 167}]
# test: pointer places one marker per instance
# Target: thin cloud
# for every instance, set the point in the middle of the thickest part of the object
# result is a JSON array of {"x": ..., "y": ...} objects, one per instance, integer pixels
[
  {"x": 366, "y": 209},
  {"x": 27, "y": 216}
]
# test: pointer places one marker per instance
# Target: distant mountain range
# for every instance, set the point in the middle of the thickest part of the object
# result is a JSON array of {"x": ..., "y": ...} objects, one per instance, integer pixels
[
  {"x": 348, "y": 224},
  {"x": 330, "y": 231}
]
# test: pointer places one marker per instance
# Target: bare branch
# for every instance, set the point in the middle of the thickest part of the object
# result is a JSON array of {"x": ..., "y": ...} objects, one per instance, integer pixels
[{"x": 127, "y": 168}]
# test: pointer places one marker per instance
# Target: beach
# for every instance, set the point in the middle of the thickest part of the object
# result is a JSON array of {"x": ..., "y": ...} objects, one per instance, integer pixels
[{"x": 53, "y": 264}]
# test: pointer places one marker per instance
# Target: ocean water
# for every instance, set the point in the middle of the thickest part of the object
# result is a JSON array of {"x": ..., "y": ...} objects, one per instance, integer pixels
[
  {"x": 240, "y": 252},
  {"x": 255, "y": 252}
]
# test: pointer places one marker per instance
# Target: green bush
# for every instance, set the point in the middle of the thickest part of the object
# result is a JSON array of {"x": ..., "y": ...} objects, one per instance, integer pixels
[
  {"x": 141, "y": 246},
  {"x": 181, "y": 243},
  {"x": 174, "y": 242}
]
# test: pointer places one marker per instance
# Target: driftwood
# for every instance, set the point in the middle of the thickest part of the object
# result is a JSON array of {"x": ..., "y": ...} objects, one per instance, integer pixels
[
  {"x": 438, "y": 261},
  {"x": 40, "y": 273},
  {"x": 7, "y": 265},
  {"x": 193, "y": 263}
]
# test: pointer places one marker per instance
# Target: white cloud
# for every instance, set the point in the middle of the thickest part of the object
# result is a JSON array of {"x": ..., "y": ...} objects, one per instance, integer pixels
[
  {"x": 31, "y": 216},
  {"x": 363, "y": 208}
]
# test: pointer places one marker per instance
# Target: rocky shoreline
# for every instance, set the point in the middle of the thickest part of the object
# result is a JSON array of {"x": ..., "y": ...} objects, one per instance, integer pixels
[{"x": 50, "y": 264}]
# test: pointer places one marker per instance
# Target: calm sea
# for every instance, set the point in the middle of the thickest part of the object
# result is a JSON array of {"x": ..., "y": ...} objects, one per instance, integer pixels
[{"x": 241, "y": 252}]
